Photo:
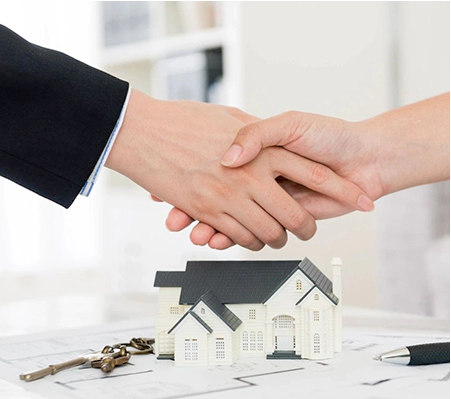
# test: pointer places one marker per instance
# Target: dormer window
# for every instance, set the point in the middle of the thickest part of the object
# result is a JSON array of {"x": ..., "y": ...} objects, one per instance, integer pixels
[
  {"x": 299, "y": 285},
  {"x": 252, "y": 314},
  {"x": 316, "y": 297}
]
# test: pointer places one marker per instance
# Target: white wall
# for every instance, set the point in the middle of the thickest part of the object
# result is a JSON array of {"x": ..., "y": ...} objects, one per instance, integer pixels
[{"x": 413, "y": 240}]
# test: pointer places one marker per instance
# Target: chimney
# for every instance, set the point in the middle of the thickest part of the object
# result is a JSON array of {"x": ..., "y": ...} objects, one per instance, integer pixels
[{"x": 338, "y": 292}]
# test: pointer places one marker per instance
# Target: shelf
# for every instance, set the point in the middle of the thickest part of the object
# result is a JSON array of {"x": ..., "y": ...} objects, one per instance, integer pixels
[{"x": 157, "y": 49}]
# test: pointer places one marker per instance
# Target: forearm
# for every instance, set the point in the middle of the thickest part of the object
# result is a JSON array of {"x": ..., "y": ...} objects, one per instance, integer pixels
[{"x": 411, "y": 144}]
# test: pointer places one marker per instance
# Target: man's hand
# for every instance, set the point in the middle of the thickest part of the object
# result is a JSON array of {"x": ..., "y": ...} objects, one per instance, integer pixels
[{"x": 173, "y": 150}]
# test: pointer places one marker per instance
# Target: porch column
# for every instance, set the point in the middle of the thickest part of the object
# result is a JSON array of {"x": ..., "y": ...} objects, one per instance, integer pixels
[{"x": 269, "y": 337}]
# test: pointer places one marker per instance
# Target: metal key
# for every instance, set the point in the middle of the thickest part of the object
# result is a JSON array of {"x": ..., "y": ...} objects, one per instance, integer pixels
[{"x": 56, "y": 368}]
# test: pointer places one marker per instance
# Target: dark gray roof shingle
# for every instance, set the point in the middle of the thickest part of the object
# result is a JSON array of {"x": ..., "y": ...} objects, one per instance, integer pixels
[
  {"x": 240, "y": 281},
  {"x": 234, "y": 281},
  {"x": 222, "y": 311},
  {"x": 169, "y": 279}
]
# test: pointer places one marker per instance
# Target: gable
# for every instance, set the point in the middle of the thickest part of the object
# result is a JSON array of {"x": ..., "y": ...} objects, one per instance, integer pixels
[
  {"x": 316, "y": 277},
  {"x": 190, "y": 320},
  {"x": 315, "y": 290},
  {"x": 222, "y": 312},
  {"x": 289, "y": 292}
]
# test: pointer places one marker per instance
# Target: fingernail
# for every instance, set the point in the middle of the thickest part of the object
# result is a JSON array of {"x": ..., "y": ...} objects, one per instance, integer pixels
[
  {"x": 364, "y": 203},
  {"x": 231, "y": 155}
]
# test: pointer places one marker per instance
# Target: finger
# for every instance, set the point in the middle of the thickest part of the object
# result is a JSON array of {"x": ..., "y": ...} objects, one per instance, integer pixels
[
  {"x": 317, "y": 204},
  {"x": 286, "y": 210},
  {"x": 278, "y": 130},
  {"x": 201, "y": 234},
  {"x": 237, "y": 232},
  {"x": 220, "y": 241},
  {"x": 265, "y": 227},
  {"x": 178, "y": 220},
  {"x": 155, "y": 198},
  {"x": 320, "y": 178}
]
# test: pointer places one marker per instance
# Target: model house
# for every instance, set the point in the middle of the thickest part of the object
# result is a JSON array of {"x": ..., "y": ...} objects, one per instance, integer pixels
[{"x": 216, "y": 312}]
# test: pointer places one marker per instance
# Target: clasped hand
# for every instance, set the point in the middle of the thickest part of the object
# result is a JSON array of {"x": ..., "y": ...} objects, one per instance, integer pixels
[
  {"x": 248, "y": 181},
  {"x": 267, "y": 192}
]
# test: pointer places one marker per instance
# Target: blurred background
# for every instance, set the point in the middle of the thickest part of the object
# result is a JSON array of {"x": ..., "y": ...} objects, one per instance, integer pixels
[{"x": 96, "y": 261}]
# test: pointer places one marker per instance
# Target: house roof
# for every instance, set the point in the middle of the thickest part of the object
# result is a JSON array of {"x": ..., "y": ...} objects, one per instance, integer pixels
[
  {"x": 222, "y": 311},
  {"x": 315, "y": 276},
  {"x": 169, "y": 279},
  {"x": 234, "y": 281},
  {"x": 196, "y": 317},
  {"x": 212, "y": 302},
  {"x": 240, "y": 281}
]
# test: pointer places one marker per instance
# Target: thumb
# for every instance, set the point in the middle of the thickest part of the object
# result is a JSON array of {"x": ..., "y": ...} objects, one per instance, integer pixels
[{"x": 278, "y": 130}]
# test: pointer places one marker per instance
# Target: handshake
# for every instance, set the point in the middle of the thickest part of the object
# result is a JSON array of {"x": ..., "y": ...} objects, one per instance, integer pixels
[{"x": 248, "y": 181}]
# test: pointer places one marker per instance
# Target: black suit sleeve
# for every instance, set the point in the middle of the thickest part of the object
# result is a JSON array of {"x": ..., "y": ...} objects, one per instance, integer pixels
[{"x": 56, "y": 115}]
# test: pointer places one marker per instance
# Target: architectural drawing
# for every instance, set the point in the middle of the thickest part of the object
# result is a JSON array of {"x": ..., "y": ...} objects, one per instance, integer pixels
[{"x": 216, "y": 312}]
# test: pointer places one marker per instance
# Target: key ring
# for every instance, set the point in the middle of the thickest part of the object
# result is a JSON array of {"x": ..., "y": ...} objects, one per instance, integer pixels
[{"x": 143, "y": 346}]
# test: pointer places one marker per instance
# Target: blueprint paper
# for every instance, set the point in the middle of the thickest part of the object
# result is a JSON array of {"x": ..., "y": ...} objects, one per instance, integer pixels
[{"x": 351, "y": 374}]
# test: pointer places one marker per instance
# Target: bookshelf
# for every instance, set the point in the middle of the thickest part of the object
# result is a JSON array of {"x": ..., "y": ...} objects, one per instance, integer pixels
[{"x": 142, "y": 41}]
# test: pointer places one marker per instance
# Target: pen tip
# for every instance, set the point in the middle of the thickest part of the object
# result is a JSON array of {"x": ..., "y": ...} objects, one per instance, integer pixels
[{"x": 377, "y": 357}]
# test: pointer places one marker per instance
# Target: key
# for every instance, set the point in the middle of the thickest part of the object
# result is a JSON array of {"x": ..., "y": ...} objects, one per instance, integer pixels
[
  {"x": 56, "y": 368},
  {"x": 108, "y": 363}
]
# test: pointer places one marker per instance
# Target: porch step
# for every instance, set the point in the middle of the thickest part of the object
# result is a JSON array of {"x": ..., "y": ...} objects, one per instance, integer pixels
[
  {"x": 283, "y": 355},
  {"x": 165, "y": 357}
]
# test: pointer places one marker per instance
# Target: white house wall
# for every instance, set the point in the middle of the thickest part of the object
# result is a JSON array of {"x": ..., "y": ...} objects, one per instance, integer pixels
[
  {"x": 250, "y": 325},
  {"x": 220, "y": 330},
  {"x": 190, "y": 329},
  {"x": 283, "y": 301},
  {"x": 324, "y": 327},
  {"x": 168, "y": 299}
]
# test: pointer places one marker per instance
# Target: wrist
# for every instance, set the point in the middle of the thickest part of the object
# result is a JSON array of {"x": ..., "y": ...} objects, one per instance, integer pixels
[
  {"x": 128, "y": 154},
  {"x": 411, "y": 144}
]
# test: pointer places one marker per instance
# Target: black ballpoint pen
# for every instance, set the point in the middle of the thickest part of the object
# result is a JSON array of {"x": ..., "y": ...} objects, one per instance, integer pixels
[{"x": 418, "y": 355}]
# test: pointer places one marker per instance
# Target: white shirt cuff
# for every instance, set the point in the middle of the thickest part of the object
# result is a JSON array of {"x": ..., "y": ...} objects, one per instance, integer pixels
[{"x": 87, "y": 188}]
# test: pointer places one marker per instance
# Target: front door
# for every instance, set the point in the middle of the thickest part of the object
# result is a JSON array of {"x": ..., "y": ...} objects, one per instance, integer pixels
[{"x": 284, "y": 333}]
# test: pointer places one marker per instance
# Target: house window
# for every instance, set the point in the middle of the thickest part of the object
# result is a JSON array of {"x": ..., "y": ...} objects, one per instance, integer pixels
[
  {"x": 299, "y": 285},
  {"x": 191, "y": 350},
  {"x": 316, "y": 344},
  {"x": 220, "y": 348},
  {"x": 316, "y": 315},
  {"x": 259, "y": 341},
  {"x": 316, "y": 297},
  {"x": 252, "y": 346},
  {"x": 174, "y": 310},
  {"x": 283, "y": 322},
  {"x": 202, "y": 310},
  {"x": 245, "y": 339},
  {"x": 252, "y": 314}
]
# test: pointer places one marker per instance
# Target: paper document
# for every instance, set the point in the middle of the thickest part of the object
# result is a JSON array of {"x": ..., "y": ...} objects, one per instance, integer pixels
[{"x": 350, "y": 374}]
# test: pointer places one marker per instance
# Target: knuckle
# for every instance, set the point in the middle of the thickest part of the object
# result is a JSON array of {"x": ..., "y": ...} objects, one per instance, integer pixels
[
  {"x": 319, "y": 174},
  {"x": 346, "y": 193},
  {"x": 252, "y": 130},
  {"x": 247, "y": 240},
  {"x": 291, "y": 114},
  {"x": 298, "y": 221},
  {"x": 273, "y": 236}
]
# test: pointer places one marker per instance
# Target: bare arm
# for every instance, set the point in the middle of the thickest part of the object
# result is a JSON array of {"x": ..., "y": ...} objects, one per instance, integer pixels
[{"x": 396, "y": 150}]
